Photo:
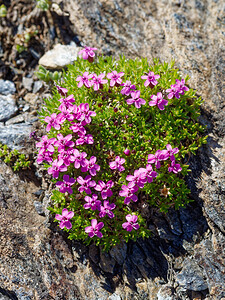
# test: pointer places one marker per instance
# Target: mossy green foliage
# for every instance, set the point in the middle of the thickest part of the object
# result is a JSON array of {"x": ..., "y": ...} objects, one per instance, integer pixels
[
  {"x": 143, "y": 131},
  {"x": 14, "y": 158}
]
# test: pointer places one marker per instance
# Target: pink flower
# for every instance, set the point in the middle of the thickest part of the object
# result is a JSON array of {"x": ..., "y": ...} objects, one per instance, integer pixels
[
  {"x": 66, "y": 114},
  {"x": 66, "y": 103},
  {"x": 126, "y": 152},
  {"x": 177, "y": 89},
  {"x": 131, "y": 223},
  {"x": 98, "y": 81},
  {"x": 104, "y": 188},
  {"x": 139, "y": 177},
  {"x": 43, "y": 155},
  {"x": 78, "y": 128},
  {"x": 151, "y": 79},
  {"x": 115, "y": 78},
  {"x": 90, "y": 166},
  {"x": 57, "y": 166},
  {"x": 175, "y": 168},
  {"x": 136, "y": 99},
  {"x": 46, "y": 144},
  {"x": 85, "y": 184},
  {"x": 64, "y": 143},
  {"x": 159, "y": 156},
  {"x": 128, "y": 192},
  {"x": 94, "y": 229},
  {"x": 127, "y": 88},
  {"x": 85, "y": 139},
  {"x": 172, "y": 151},
  {"x": 106, "y": 210},
  {"x": 53, "y": 121},
  {"x": 84, "y": 115},
  {"x": 62, "y": 91},
  {"x": 181, "y": 86},
  {"x": 65, "y": 185},
  {"x": 117, "y": 164},
  {"x": 92, "y": 202},
  {"x": 67, "y": 156},
  {"x": 88, "y": 53},
  {"x": 150, "y": 174},
  {"x": 159, "y": 101},
  {"x": 79, "y": 158},
  {"x": 64, "y": 218},
  {"x": 84, "y": 79}
]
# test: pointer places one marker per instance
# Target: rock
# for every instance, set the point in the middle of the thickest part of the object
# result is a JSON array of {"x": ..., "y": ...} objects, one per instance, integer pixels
[
  {"x": 39, "y": 208},
  {"x": 7, "y": 87},
  {"x": 15, "y": 136},
  {"x": 165, "y": 293},
  {"x": 31, "y": 98},
  {"x": 114, "y": 297},
  {"x": 37, "y": 86},
  {"x": 7, "y": 107},
  {"x": 27, "y": 83},
  {"x": 192, "y": 277},
  {"x": 119, "y": 252},
  {"x": 59, "y": 57},
  {"x": 107, "y": 263},
  {"x": 94, "y": 254}
]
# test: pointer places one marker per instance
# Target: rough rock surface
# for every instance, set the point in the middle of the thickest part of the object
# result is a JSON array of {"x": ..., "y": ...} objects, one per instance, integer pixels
[
  {"x": 59, "y": 56},
  {"x": 7, "y": 107},
  {"x": 38, "y": 262},
  {"x": 7, "y": 87}
]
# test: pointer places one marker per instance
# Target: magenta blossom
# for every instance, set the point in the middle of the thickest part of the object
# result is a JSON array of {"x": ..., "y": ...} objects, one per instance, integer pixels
[
  {"x": 92, "y": 202},
  {"x": 127, "y": 88},
  {"x": 46, "y": 144},
  {"x": 62, "y": 91},
  {"x": 79, "y": 158},
  {"x": 150, "y": 174},
  {"x": 128, "y": 192},
  {"x": 115, "y": 78},
  {"x": 78, "y": 128},
  {"x": 66, "y": 103},
  {"x": 136, "y": 99},
  {"x": 159, "y": 101},
  {"x": 88, "y": 53},
  {"x": 53, "y": 121},
  {"x": 67, "y": 156},
  {"x": 139, "y": 177},
  {"x": 151, "y": 79},
  {"x": 106, "y": 210},
  {"x": 66, "y": 114},
  {"x": 86, "y": 184},
  {"x": 84, "y": 79},
  {"x": 43, "y": 155},
  {"x": 63, "y": 143},
  {"x": 117, "y": 164},
  {"x": 98, "y": 81},
  {"x": 65, "y": 185},
  {"x": 104, "y": 188},
  {"x": 64, "y": 218},
  {"x": 94, "y": 229},
  {"x": 126, "y": 152},
  {"x": 181, "y": 86},
  {"x": 85, "y": 139},
  {"x": 90, "y": 166},
  {"x": 175, "y": 168},
  {"x": 159, "y": 156},
  {"x": 57, "y": 166},
  {"x": 172, "y": 151},
  {"x": 84, "y": 115},
  {"x": 177, "y": 89},
  {"x": 131, "y": 223}
]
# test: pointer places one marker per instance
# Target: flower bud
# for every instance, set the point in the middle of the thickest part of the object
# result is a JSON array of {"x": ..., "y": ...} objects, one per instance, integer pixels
[
  {"x": 115, "y": 109},
  {"x": 126, "y": 152}
]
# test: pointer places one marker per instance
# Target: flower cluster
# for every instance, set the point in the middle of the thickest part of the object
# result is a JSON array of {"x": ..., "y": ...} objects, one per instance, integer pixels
[{"x": 102, "y": 149}]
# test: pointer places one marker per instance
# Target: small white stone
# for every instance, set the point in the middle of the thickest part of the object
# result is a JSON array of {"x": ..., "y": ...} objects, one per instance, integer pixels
[{"x": 59, "y": 57}]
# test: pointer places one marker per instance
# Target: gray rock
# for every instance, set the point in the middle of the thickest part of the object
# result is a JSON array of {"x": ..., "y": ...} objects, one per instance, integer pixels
[
  {"x": 59, "y": 57},
  {"x": 37, "y": 86},
  {"x": 15, "y": 136},
  {"x": 39, "y": 208},
  {"x": 114, "y": 296},
  {"x": 7, "y": 107},
  {"x": 27, "y": 83},
  {"x": 119, "y": 252},
  {"x": 107, "y": 263},
  {"x": 165, "y": 293},
  {"x": 7, "y": 87},
  {"x": 94, "y": 253},
  {"x": 192, "y": 277}
]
